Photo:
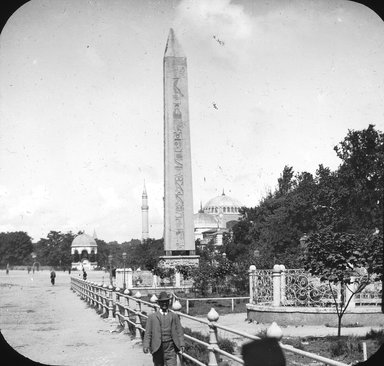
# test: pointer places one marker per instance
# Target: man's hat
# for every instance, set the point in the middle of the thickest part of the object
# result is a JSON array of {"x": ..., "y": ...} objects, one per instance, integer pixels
[{"x": 163, "y": 296}]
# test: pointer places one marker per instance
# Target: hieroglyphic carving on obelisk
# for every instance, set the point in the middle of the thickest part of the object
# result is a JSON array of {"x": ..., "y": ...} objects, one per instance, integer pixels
[{"x": 178, "y": 199}]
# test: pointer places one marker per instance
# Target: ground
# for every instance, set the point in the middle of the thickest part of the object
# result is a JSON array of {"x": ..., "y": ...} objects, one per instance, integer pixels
[{"x": 52, "y": 325}]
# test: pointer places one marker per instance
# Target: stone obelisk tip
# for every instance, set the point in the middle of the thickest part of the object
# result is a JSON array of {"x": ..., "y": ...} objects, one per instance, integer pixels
[{"x": 173, "y": 47}]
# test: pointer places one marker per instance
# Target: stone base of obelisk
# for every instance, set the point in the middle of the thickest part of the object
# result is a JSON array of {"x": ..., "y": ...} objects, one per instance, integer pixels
[{"x": 171, "y": 261}]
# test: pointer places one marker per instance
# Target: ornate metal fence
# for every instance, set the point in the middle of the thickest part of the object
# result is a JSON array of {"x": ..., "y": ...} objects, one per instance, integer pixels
[
  {"x": 302, "y": 289},
  {"x": 263, "y": 286},
  {"x": 370, "y": 296},
  {"x": 296, "y": 287}
]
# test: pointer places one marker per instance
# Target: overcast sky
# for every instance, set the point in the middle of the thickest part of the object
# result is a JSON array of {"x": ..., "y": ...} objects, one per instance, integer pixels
[{"x": 81, "y": 113}]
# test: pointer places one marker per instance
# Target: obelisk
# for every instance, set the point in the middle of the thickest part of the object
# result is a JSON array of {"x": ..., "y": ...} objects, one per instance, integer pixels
[{"x": 178, "y": 199}]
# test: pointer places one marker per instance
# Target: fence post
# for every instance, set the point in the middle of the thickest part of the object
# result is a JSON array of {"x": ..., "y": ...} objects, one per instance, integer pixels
[
  {"x": 93, "y": 291},
  {"x": 97, "y": 297},
  {"x": 126, "y": 312},
  {"x": 129, "y": 278},
  {"x": 154, "y": 281},
  {"x": 110, "y": 302},
  {"x": 138, "y": 319},
  {"x": 252, "y": 286},
  {"x": 177, "y": 279},
  {"x": 276, "y": 284},
  {"x": 153, "y": 300},
  {"x": 365, "y": 351},
  {"x": 274, "y": 331},
  {"x": 213, "y": 317},
  {"x": 104, "y": 300},
  {"x": 117, "y": 305},
  {"x": 282, "y": 284}
]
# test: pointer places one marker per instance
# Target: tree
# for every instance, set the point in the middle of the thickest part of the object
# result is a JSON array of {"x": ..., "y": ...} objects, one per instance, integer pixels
[
  {"x": 102, "y": 253},
  {"x": 285, "y": 182},
  {"x": 55, "y": 249},
  {"x": 361, "y": 176},
  {"x": 15, "y": 248},
  {"x": 338, "y": 257},
  {"x": 145, "y": 255},
  {"x": 348, "y": 200}
]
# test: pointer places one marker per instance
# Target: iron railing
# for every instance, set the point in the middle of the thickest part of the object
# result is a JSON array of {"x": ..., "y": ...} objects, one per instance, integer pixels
[{"x": 131, "y": 313}]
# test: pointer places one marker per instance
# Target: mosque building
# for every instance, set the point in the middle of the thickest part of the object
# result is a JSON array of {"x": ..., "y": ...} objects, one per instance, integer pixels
[
  {"x": 84, "y": 250},
  {"x": 217, "y": 216}
]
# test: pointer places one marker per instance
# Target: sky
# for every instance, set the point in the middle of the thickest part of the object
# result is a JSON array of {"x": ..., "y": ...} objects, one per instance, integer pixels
[{"x": 81, "y": 103}]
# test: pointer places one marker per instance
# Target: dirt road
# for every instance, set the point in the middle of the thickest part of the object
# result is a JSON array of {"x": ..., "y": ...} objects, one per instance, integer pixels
[{"x": 51, "y": 325}]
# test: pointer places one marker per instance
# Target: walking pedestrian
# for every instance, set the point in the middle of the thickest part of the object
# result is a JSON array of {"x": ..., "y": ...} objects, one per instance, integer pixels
[
  {"x": 164, "y": 336},
  {"x": 84, "y": 275},
  {"x": 53, "y": 276}
]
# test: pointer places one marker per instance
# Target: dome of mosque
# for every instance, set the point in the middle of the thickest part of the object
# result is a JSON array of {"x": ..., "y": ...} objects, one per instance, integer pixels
[
  {"x": 203, "y": 220},
  {"x": 224, "y": 204},
  {"x": 84, "y": 240}
]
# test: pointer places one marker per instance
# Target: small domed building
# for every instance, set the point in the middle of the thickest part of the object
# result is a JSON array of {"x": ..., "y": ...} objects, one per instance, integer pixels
[
  {"x": 217, "y": 216},
  {"x": 84, "y": 250}
]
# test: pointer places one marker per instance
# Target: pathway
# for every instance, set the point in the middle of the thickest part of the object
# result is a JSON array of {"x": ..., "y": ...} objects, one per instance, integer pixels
[{"x": 51, "y": 325}]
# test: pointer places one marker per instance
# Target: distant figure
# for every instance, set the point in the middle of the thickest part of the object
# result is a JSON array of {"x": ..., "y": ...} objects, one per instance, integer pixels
[
  {"x": 7, "y": 269},
  {"x": 69, "y": 270},
  {"x": 53, "y": 276},
  {"x": 84, "y": 275},
  {"x": 164, "y": 335},
  {"x": 29, "y": 269}
]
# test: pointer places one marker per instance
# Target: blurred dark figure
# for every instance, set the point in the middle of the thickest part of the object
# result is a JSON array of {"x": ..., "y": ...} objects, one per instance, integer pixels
[
  {"x": 69, "y": 270},
  {"x": 84, "y": 275},
  {"x": 29, "y": 269},
  {"x": 7, "y": 269},
  {"x": 375, "y": 360},
  {"x": 263, "y": 352},
  {"x": 53, "y": 276}
]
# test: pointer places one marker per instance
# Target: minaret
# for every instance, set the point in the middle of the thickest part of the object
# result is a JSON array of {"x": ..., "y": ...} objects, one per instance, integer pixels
[
  {"x": 144, "y": 215},
  {"x": 178, "y": 200}
]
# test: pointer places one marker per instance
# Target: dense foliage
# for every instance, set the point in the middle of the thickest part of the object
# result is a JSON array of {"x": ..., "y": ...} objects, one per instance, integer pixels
[
  {"x": 336, "y": 257},
  {"x": 348, "y": 200},
  {"x": 15, "y": 248}
]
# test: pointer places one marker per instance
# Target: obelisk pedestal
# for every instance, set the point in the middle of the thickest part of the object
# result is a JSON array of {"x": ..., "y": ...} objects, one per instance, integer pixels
[{"x": 179, "y": 240}]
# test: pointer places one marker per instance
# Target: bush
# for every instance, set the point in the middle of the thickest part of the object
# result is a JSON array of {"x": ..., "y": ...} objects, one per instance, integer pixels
[
  {"x": 345, "y": 346},
  {"x": 199, "y": 351},
  {"x": 377, "y": 335}
]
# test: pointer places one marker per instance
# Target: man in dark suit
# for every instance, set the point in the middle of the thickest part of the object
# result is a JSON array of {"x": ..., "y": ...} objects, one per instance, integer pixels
[{"x": 164, "y": 335}]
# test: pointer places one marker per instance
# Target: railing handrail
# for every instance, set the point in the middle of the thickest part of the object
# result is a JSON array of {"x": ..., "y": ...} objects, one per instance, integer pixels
[{"x": 85, "y": 289}]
